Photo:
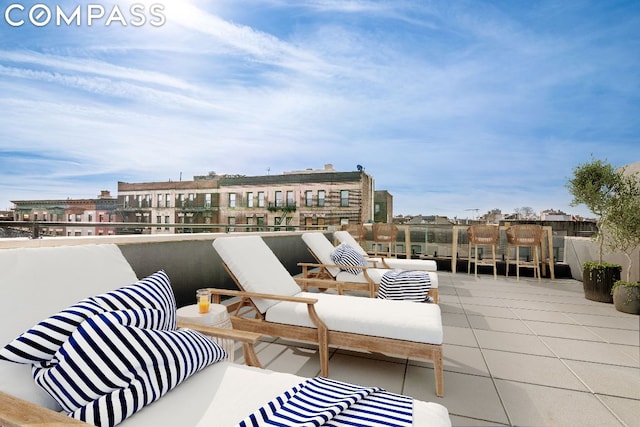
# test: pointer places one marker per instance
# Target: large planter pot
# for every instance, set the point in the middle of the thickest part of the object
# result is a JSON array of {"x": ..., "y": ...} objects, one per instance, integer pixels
[
  {"x": 627, "y": 299},
  {"x": 598, "y": 282}
]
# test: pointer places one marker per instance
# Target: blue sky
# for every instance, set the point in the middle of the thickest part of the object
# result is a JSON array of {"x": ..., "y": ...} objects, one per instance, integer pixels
[{"x": 449, "y": 105}]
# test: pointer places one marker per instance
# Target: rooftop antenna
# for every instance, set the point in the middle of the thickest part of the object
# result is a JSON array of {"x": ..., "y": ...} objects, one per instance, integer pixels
[
  {"x": 360, "y": 168},
  {"x": 269, "y": 170}
]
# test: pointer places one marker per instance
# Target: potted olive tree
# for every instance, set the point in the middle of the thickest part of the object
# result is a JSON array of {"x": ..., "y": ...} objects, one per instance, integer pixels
[
  {"x": 594, "y": 184},
  {"x": 623, "y": 234}
]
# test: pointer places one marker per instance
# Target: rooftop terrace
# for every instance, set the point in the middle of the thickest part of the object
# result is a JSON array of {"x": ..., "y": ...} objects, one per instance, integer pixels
[{"x": 516, "y": 353}]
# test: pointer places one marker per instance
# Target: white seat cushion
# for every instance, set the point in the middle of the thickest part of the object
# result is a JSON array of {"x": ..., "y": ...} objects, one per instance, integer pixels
[
  {"x": 374, "y": 273},
  {"x": 211, "y": 397},
  {"x": 408, "y": 264},
  {"x": 345, "y": 237},
  {"x": 45, "y": 281},
  {"x": 404, "y": 320},
  {"x": 322, "y": 248},
  {"x": 395, "y": 263},
  {"x": 256, "y": 267}
]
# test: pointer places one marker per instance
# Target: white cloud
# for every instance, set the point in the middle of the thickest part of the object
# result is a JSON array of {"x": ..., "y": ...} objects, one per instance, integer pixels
[{"x": 448, "y": 106}]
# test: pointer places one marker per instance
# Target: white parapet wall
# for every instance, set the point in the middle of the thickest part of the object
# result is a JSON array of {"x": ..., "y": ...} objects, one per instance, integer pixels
[{"x": 581, "y": 249}]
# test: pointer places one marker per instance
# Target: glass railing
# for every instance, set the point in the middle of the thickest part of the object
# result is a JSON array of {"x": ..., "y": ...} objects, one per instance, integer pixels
[{"x": 413, "y": 241}]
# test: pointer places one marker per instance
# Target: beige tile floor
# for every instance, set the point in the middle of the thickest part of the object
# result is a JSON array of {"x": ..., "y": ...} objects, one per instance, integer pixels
[{"x": 516, "y": 353}]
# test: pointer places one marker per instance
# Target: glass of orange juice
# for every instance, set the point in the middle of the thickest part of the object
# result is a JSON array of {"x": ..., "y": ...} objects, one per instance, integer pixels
[{"x": 203, "y": 299}]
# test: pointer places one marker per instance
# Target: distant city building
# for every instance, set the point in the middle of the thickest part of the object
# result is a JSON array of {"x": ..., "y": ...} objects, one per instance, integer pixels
[
  {"x": 57, "y": 217},
  {"x": 422, "y": 219},
  {"x": 6, "y": 215},
  {"x": 308, "y": 198},
  {"x": 383, "y": 207},
  {"x": 553, "y": 215}
]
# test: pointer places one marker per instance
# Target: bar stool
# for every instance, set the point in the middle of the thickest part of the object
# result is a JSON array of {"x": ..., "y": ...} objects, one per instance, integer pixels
[
  {"x": 385, "y": 234},
  {"x": 525, "y": 235},
  {"x": 483, "y": 235}
]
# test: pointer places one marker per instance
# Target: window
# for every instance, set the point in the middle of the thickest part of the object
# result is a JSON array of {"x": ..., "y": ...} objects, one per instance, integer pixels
[
  {"x": 160, "y": 200},
  {"x": 232, "y": 221},
  {"x": 167, "y": 200},
  {"x": 377, "y": 208},
  {"x": 181, "y": 198},
  {"x": 321, "y": 194},
  {"x": 126, "y": 201},
  {"x": 90, "y": 219},
  {"x": 207, "y": 200},
  {"x": 78, "y": 217},
  {"x": 278, "y": 199},
  {"x": 344, "y": 198},
  {"x": 159, "y": 221},
  {"x": 290, "y": 201},
  {"x": 249, "y": 199},
  {"x": 232, "y": 200},
  {"x": 261, "y": 199},
  {"x": 308, "y": 198}
]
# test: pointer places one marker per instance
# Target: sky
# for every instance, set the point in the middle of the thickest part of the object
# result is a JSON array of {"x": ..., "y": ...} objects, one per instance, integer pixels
[{"x": 454, "y": 107}]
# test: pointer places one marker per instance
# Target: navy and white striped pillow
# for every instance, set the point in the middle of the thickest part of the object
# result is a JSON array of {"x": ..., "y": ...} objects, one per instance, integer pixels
[
  {"x": 40, "y": 343},
  {"x": 344, "y": 255},
  {"x": 117, "y": 362},
  {"x": 405, "y": 285}
]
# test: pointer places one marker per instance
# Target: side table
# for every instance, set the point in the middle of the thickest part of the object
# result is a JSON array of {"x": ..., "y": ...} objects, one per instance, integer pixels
[{"x": 217, "y": 316}]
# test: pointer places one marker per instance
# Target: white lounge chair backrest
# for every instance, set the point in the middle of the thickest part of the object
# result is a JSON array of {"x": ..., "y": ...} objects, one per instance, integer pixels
[
  {"x": 346, "y": 237},
  {"x": 38, "y": 282},
  {"x": 322, "y": 249},
  {"x": 256, "y": 268}
]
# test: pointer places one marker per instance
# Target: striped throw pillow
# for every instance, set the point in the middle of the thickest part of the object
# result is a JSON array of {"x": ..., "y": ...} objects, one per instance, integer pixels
[
  {"x": 405, "y": 285},
  {"x": 40, "y": 343},
  {"x": 117, "y": 362},
  {"x": 345, "y": 256}
]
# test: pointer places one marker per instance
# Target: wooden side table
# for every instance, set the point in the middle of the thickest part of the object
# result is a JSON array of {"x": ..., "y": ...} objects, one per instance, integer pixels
[{"x": 217, "y": 316}]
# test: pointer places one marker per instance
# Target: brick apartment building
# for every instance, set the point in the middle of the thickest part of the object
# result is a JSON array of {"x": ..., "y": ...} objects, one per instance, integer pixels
[
  {"x": 59, "y": 217},
  {"x": 309, "y": 198}
]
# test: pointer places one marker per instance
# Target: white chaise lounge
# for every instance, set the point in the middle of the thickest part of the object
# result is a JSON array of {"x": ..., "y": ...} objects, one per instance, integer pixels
[
  {"x": 38, "y": 282},
  {"x": 280, "y": 309},
  {"x": 370, "y": 277},
  {"x": 343, "y": 236}
]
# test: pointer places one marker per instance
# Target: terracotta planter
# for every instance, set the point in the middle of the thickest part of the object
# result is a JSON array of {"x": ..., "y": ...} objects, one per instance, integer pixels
[
  {"x": 627, "y": 299},
  {"x": 598, "y": 283}
]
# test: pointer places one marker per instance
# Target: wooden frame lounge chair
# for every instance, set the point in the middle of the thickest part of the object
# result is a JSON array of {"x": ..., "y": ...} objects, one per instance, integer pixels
[
  {"x": 325, "y": 271},
  {"x": 280, "y": 309}
]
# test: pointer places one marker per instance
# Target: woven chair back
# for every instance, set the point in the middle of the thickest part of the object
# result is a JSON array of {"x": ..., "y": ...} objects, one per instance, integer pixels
[
  {"x": 483, "y": 234},
  {"x": 383, "y": 232},
  {"x": 524, "y": 235},
  {"x": 358, "y": 231}
]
